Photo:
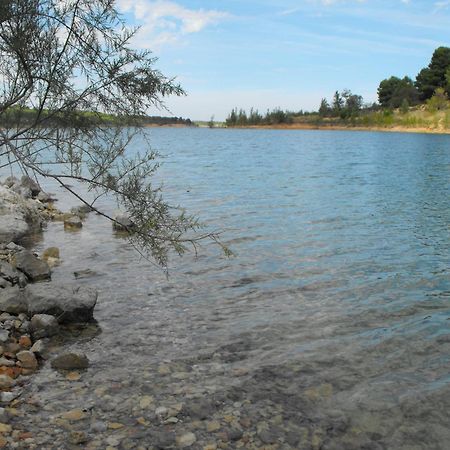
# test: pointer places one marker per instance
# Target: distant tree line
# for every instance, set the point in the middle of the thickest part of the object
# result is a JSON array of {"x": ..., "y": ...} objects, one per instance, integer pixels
[
  {"x": 431, "y": 87},
  {"x": 241, "y": 118},
  {"x": 85, "y": 119}
]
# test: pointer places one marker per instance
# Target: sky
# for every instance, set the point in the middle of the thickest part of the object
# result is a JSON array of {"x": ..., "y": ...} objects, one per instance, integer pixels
[{"x": 288, "y": 54}]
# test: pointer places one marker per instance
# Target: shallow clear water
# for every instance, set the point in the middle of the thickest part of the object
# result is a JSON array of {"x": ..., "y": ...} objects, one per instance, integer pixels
[{"x": 329, "y": 328}]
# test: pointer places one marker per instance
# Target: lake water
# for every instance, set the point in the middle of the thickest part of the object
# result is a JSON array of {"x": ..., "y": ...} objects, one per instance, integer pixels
[{"x": 328, "y": 329}]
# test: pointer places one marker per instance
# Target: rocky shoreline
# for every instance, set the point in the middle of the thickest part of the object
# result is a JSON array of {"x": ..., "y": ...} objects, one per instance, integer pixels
[{"x": 33, "y": 309}]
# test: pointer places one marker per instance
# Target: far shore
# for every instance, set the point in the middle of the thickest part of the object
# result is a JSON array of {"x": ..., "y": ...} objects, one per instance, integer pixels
[{"x": 304, "y": 126}]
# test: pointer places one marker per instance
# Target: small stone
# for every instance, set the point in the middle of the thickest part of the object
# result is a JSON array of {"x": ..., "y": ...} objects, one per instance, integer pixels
[
  {"x": 74, "y": 415},
  {"x": 5, "y": 428},
  {"x": 73, "y": 376},
  {"x": 27, "y": 359},
  {"x": 73, "y": 223},
  {"x": 210, "y": 447},
  {"x": 6, "y": 382},
  {"x": 7, "y": 362},
  {"x": 8, "y": 397},
  {"x": 39, "y": 347},
  {"x": 4, "y": 335},
  {"x": 163, "y": 369},
  {"x": 71, "y": 361},
  {"x": 4, "y": 416},
  {"x": 213, "y": 426},
  {"x": 44, "y": 325},
  {"x": 146, "y": 401},
  {"x": 186, "y": 440},
  {"x": 99, "y": 427},
  {"x": 51, "y": 252},
  {"x": 115, "y": 425},
  {"x": 77, "y": 437},
  {"x": 25, "y": 342},
  {"x": 161, "y": 412}
]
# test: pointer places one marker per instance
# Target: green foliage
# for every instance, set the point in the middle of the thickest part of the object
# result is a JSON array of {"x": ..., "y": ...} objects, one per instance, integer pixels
[
  {"x": 240, "y": 118},
  {"x": 72, "y": 133},
  {"x": 404, "y": 107},
  {"x": 324, "y": 109},
  {"x": 393, "y": 91},
  {"x": 435, "y": 75},
  {"x": 439, "y": 101}
]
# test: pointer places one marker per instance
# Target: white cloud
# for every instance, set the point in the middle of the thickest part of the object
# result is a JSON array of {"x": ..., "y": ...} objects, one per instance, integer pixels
[
  {"x": 442, "y": 5},
  {"x": 164, "y": 21}
]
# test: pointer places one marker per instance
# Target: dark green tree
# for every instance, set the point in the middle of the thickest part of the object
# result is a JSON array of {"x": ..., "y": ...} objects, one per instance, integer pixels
[
  {"x": 338, "y": 104},
  {"x": 393, "y": 91},
  {"x": 434, "y": 76},
  {"x": 324, "y": 109}
]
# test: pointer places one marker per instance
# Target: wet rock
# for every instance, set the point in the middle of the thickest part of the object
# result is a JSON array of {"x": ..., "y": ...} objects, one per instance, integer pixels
[
  {"x": 13, "y": 300},
  {"x": 202, "y": 409},
  {"x": 4, "y": 336},
  {"x": 73, "y": 223},
  {"x": 186, "y": 440},
  {"x": 9, "y": 273},
  {"x": 163, "y": 439},
  {"x": 85, "y": 273},
  {"x": 70, "y": 304},
  {"x": 11, "y": 181},
  {"x": 40, "y": 348},
  {"x": 7, "y": 397},
  {"x": 44, "y": 197},
  {"x": 4, "y": 284},
  {"x": 98, "y": 427},
  {"x": 81, "y": 210},
  {"x": 74, "y": 415},
  {"x": 28, "y": 183},
  {"x": 71, "y": 361},
  {"x": 27, "y": 359},
  {"x": 4, "y": 416},
  {"x": 7, "y": 362},
  {"x": 234, "y": 434},
  {"x": 122, "y": 223},
  {"x": 6, "y": 382},
  {"x": 77, "y": 437},
  {"x": 44, "y": 325},
  {"x": 25, "y": 342},
  {"x": 51, "y": 256},
  {"x": 34, "y": 268},
  {"x": 13, "y": 226}
]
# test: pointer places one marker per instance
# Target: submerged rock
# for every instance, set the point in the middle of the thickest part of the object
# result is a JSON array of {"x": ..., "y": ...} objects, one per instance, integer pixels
[
  {"x": 44, "y": 325},
  {"x": 71, "y": 361},
  {"x": 69, "y": 304},
  {"x": 34, "y": 268},
  {"x": 122, "y": 223},
  {"x": 73, "y": 223}
]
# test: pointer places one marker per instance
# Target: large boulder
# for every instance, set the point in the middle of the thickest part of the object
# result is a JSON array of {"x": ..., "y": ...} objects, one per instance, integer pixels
[
  {"x": 68, "y": 303},
  {"x": 13, "y": 226},
  {"x": 33, "y": 267},
  {"x": 9, "y": 273},
  {"x": 13, "y": 300}
]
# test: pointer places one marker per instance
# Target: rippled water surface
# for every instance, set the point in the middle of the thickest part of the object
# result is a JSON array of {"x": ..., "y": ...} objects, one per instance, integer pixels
[{"x": 329, "y": 328}]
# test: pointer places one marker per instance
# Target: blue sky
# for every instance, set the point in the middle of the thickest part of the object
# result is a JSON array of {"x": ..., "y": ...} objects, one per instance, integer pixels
[{"x": 288, "y": 54}]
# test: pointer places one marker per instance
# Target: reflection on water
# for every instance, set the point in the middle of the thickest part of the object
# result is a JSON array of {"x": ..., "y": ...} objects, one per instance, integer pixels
[{"x": 330, "y": 326}]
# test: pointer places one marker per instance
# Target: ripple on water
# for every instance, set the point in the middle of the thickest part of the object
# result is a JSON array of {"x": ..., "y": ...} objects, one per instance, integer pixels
[{"x": 329, "y": 329}]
